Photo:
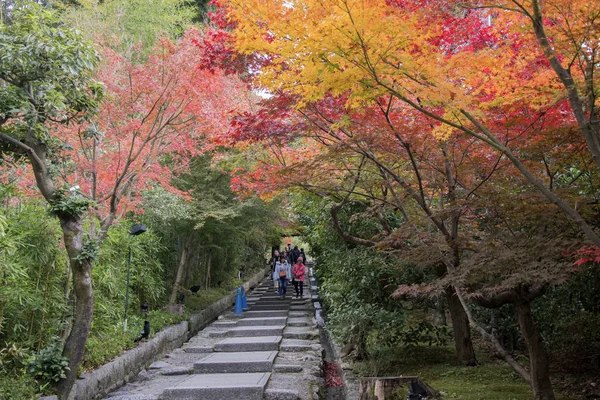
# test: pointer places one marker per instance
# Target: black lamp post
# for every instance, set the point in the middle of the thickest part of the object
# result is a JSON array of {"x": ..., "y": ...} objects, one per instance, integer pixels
[{"x": 136, "y": 229}]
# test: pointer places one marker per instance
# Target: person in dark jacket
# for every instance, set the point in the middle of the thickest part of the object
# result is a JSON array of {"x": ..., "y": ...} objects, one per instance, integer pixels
[
  {"x": 295, "y": 255},
  {"x": 303, "y": 255}
]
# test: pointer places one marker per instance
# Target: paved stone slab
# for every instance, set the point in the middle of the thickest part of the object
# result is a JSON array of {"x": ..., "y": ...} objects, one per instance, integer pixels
[
  {"x": 265, "y": 313},
  {"x": 303, "y": 307},
  {"x": 281, "y": 394},
  {"x": 218, "y": 334},
  {"x": 257, "y": 343},
  {"x": 198, "y": 349},
  {"x": 261, "y": 321},
  {"x": 219, "y": 387},
  {"x": 298, "y": 314},
  {"x": 299, "y": 322},
  {"x": 295, "y": 346},
  {"x": 256, "y": 331},
  {"x": 270, "y": 302},
  {"x": 223, "y": 362},
  {"x": 224, "y": 324},
  {"x": 287, "y": 368},
  {"x": 176, "y": 371},
  {"x": 159, "y": 365},
  {"x": 269, "y": 307},
  {"x": 262, "y": 313},
  {"x": 300, "y": 333}
]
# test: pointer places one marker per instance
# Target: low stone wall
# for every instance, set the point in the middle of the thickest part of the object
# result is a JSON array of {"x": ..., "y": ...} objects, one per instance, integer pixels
[
  {"x": 123, "y": 368},
  {"x": 103, "y": 380}
]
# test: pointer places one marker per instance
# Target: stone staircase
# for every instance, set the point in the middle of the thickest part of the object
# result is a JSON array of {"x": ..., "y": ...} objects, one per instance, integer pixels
[{"x": 271, "y": 351}]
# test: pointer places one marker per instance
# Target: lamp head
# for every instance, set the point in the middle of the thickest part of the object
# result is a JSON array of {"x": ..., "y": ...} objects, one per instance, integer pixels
[{"x": 137, "y": 229}]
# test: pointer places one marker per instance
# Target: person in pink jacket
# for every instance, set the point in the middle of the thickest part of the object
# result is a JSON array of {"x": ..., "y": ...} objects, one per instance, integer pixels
[{"x": 298, "y": 272}]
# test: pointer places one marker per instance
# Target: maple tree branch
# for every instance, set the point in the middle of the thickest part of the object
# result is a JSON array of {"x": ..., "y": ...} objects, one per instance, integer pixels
[
  {"x": 588, "y": 128},
  {"x": 572, "y": 213},
  {"x": 500, "y": 7},
  {"x": 349, "y": 238},
  {"x": 549, "y": 173},
  {"x": 523, "y": 9},
  {"x": 486, "y": 178},
  {"x": 405, "y": 144}
]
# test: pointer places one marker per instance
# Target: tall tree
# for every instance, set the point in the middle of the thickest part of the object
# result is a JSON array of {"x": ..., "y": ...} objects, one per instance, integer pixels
[
  {"x": 151, "y": 122},
  {"x": 46, "y": 79}
]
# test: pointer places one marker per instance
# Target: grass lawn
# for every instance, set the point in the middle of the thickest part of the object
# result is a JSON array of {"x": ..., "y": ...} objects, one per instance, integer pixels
[{"x": 491, "y": 380}]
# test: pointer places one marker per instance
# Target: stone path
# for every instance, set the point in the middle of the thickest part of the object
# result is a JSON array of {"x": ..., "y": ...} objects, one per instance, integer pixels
[{"x": 272, "y": 352}]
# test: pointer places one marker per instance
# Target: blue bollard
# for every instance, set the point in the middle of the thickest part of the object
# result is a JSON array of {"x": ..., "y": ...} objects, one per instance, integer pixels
[
  {"x": 238, "y": 302},
  {"x": 244, "y": 301}
]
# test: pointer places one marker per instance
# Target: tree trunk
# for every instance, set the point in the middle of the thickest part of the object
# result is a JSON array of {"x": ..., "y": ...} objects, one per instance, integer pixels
[
  {"x": 538, "y": 356},
  {"x": 84, "y": 302},
  {"x": 180, "y": 269},
  {"x": 208, "y": 272},
  {"x": 465, "y": 355}
]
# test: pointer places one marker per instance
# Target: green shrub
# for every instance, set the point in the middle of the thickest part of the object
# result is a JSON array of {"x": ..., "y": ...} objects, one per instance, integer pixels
[
  {"x": 48, "y": 366},
  {"x": 101, "y": 347},
  {"x": 204, "y": 298},
  {"x": 20, "y": 386},
  {"x": 12, "y": 357}
]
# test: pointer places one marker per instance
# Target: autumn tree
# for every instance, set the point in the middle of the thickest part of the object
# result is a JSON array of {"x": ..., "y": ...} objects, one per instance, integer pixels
[
  {"x": 46, "y": 79},
  {"x": 150, "y": 123},
  {"x": 467, "y": 69},
  {"x": 454, "y": 76}
]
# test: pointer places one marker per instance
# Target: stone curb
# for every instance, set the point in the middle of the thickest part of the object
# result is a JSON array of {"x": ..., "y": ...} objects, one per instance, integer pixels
[
  {"x": 350, "y": 382},
  {"x": 118, "y": 372}
]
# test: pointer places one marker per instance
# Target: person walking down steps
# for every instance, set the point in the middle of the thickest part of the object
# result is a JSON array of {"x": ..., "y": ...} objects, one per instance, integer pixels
[
  {"x": 298, "y": 272},
  {"x": 283, "y": 272}
]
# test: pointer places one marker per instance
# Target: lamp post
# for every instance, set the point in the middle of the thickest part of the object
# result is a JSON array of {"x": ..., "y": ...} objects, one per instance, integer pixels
[{"x": 136, "y": 230}]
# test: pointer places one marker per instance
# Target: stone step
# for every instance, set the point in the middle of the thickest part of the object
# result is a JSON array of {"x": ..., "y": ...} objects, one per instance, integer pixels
[
  {"x": 299, "y": 314},
  {"x": 250, "y": 331},
  {"x": 270, "y": 303},
  {"x": 257, "y": 343},
  {"x": 299, "y": 322},
  {"x": 197, "y": 349},
  {"x": 231, "y": 362},
  {"x": 261, "y": 321},
  {"x": 303, "y": 307},
  {"x": 281, "y": 394},
  {"x": 265, "y": 313},
  {"x": 247, "y": 386},
  {"x": 300, "y": 333},
  {"x": 290, "y": 298},
  {"x": 286, "y": 368},
  {"x": 295, "y": 345},
  {"x": 270, "y": 307},
  {"x": 224, "y": 324}
]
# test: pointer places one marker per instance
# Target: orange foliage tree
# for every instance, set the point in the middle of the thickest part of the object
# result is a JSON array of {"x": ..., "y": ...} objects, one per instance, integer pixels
[{"x": 498, "y": 80}]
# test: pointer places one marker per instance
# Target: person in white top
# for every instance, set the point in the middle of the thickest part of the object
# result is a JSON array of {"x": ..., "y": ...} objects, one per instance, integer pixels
[{"x": 282, "y": 273}]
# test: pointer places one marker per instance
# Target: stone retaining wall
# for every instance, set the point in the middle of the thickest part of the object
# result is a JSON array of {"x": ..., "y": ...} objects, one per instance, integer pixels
[{"x": 121, "y": 370}]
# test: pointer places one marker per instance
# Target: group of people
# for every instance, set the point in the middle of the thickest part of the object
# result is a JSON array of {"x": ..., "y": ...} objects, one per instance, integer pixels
[{"x": 289, "y": 266}]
